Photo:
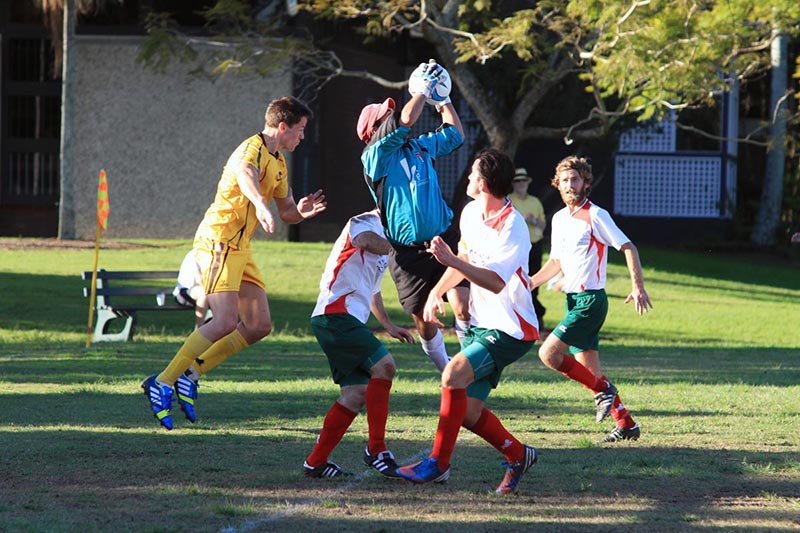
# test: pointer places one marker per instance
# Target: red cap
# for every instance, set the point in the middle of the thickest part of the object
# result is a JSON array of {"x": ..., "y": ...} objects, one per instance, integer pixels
[{"x": 370, "y": 115}]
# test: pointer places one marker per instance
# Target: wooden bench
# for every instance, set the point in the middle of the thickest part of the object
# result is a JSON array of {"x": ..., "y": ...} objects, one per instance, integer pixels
[{"x": 108, "y": 312}]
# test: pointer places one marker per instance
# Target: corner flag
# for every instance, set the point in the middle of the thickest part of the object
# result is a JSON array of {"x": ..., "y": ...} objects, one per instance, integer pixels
[{"x": 102, "y": 201}]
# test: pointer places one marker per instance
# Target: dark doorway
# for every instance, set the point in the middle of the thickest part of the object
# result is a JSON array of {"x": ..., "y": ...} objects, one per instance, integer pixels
[{"x": 30, "y": 124}]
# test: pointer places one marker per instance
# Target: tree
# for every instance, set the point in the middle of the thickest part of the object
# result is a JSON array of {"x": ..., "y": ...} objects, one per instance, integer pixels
[
  {"x": 642, "y": 57},
  {"x": 769, "y": 214},
  {"x": 508, "y": 58},
  {"x": 65, "y": 61}
]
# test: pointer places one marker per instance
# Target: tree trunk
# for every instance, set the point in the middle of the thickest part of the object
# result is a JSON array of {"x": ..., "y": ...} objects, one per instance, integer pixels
[
  {"x": 769, "y": 211},
  {"x": 66, "y": 205}
]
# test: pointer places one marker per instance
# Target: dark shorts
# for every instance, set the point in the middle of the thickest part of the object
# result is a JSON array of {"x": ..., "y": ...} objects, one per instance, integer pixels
[
  {"x": 350, "y": 346},
  {"x": 415, "y": 272},
  {"x": 489, "y": 351},
  {"x": 580, "y": 328}
]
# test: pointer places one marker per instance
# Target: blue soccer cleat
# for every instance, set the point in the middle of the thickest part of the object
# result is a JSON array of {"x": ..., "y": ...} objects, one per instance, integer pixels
[
  {"x": 424, "y": 471},
  {"x": 186, "y": 391},
  {"x": 160, "y": 397},
  {"x": 515, "y": 470}
]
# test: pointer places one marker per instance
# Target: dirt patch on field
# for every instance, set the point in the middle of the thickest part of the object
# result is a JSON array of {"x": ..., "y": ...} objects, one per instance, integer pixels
[{"x": 33, "y": 244}]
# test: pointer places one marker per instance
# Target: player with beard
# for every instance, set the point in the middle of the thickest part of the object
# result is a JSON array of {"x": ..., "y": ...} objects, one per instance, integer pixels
[{"x": 581, "y": 235}]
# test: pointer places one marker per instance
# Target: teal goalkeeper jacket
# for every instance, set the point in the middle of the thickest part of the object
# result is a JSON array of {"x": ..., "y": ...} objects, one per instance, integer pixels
[{"x": 405, "y": 185}]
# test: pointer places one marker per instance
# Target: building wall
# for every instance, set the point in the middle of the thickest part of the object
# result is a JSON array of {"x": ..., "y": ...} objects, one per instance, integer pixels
[{"x": 162, "y": 138}]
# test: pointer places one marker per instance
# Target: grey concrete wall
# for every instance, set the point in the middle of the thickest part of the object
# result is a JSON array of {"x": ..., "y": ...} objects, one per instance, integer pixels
[{"x": 162, "y": 139}]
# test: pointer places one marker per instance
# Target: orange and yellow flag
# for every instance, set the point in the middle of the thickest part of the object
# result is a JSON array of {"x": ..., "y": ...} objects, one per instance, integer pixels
[{"x": 102, "y": 201}]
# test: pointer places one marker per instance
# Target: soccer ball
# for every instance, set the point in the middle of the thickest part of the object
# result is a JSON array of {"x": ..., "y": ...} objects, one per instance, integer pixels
[{"x": 442, "y": 89}]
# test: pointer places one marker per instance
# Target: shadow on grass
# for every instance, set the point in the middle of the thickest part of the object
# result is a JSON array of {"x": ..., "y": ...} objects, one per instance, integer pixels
[
  {"x": 750, "y": 267},
  {"x": 53, "y": 303},
  {"x": 206, "y": 482},
  {"x": 280, "y": 360}
]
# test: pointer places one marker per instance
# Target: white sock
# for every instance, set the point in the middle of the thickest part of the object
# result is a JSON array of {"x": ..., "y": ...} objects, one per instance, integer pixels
[
  {"x": 461, "y": 329},
  {"x": 435, "y": 350},
  {"x": 192, "y": 374}
]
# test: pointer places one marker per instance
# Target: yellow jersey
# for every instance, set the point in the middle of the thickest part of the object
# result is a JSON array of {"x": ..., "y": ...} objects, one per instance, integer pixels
[
  {"x": 231, "y": 218},
  {"x": 531, "y": 205}
]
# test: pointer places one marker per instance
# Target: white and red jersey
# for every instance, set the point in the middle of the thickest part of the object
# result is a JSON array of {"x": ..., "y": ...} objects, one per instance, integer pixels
[
  {"x": 500, "y": 244},
  {"x": 580, "y": 241},
  {"x": 352, "y": 275}
]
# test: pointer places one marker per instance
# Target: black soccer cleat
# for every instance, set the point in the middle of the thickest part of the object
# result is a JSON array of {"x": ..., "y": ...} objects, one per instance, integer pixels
[
  {"x": 383, "y": 462},
  {"x": 620, "y": 433},
  {"x": 329, "y": 469}
]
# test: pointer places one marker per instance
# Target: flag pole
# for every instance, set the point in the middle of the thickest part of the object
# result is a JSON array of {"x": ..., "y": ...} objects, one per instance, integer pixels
[
  {"x": 102, "y": 222},
  {"x": 94, "y": 286}
]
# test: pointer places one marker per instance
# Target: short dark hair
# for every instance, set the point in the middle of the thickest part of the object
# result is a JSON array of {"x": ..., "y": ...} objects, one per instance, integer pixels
[
  {"x": 579, "y": 164},
  {"x": 288, "y": 109},
  {"x": 497, "y": 170}
]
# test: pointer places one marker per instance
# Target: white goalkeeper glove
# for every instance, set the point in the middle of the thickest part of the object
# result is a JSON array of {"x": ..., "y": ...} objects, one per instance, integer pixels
[
  {"x": 424, "y": 79},
  {"x": 439, "y": 104}
]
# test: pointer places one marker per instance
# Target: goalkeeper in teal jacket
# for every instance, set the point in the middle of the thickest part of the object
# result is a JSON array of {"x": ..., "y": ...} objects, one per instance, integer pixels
[{"x": 401, "y": 177}]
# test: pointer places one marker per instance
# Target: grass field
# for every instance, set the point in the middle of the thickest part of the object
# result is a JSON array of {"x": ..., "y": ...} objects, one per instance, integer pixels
[{"x": 712, "y": 375}]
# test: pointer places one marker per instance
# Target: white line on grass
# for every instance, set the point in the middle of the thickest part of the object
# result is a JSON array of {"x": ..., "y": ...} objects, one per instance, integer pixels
[{"x": 311, "y": 502}]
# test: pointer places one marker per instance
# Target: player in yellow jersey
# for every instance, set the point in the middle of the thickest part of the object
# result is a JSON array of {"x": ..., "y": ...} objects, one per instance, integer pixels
[{"x": 254, "y": 175}]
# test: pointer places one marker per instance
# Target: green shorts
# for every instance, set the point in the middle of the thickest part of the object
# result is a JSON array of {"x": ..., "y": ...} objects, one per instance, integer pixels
[
  {"x": 586, "y": 312},
  {"x": 489, "y": 351},
  {"x": 350, "y": 346}
]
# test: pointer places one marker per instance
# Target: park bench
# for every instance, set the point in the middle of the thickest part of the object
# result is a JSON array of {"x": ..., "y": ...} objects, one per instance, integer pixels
[{"x": 108, "y": 312}]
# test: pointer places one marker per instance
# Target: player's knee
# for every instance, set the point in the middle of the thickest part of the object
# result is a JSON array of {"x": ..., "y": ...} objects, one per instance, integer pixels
[
  {"x": 387, "y": 372},
  {"x": 549, "y": 357},
  {"x": 454, "y": 376},
  {"x": 383, "y": 370},
  {"x": 224, "y": 324},
  {"x": 353, "y": 397},
  {"x": 262, "y": 329}
]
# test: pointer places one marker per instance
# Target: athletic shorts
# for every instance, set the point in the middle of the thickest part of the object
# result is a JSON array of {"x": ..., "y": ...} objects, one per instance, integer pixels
[
  {"x": 580, "y": 328},
  {"x": 415, "y": 271},
  {"x": 489, "y": 351},
  {"x": 224, "y": 269},
  {"x": 350, "y": 346}
]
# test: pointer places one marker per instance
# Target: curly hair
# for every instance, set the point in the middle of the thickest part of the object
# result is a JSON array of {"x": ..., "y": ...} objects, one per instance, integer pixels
[{"x": 579, "y": 164}]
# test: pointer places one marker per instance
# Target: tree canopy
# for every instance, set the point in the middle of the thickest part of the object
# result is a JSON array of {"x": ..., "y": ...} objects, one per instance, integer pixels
[
  {"x": 640, "y": 58},
  {"x": 598, "y": 61}
]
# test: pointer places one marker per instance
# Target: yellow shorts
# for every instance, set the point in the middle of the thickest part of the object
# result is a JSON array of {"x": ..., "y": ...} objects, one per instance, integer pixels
[{"x": 224, "y": 268}]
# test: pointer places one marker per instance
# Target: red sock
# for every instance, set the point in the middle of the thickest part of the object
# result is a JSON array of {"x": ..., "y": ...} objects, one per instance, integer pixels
[
  {"x": 336, "y": 423},
  {"x": 575, "y": 371},
  {"x": 452, "y": 410},
  {"x": 377, "y": 400},
  {"x": 489, "y": 428},
  {"x": 621, "y": 415}
]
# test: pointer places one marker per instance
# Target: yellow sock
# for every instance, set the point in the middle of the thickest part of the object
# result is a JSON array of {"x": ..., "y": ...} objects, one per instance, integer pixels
[
  {"x": 219, "y": 351},
  {"x": 194, "y": 346}
]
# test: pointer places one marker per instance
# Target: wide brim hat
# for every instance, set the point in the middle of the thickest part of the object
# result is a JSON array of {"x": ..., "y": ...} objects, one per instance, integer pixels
[{"x": 521, "y": 174}]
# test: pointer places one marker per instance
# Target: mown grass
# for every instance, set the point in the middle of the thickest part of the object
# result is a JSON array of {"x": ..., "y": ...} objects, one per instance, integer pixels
[{"x": 712, "y": 375}]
